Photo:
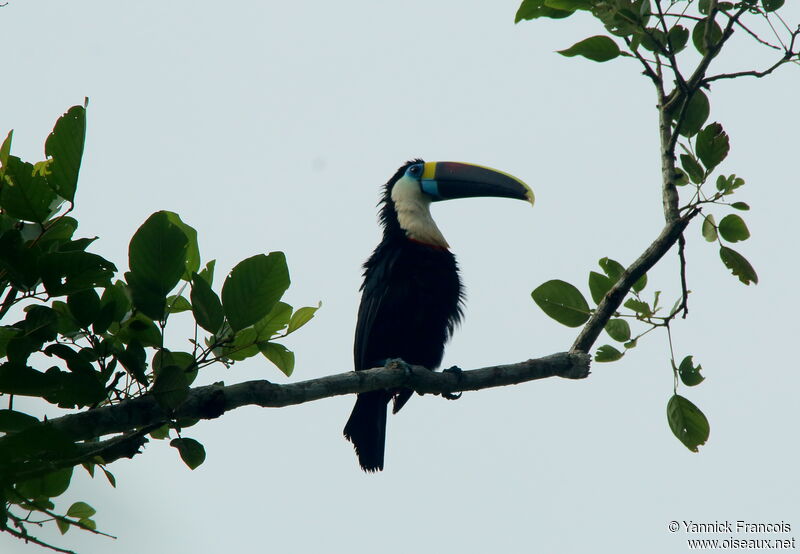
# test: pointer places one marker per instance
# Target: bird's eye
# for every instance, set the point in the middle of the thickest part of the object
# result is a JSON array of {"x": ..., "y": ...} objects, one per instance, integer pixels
[{"x": 415, "y": 170}]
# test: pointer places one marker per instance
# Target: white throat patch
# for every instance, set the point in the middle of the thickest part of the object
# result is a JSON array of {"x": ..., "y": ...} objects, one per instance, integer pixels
[{"x": 414, "y": 214}]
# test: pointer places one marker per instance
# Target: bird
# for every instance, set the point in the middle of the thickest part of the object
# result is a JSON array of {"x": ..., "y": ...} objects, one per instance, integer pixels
[{"x": 412, "y": 297}]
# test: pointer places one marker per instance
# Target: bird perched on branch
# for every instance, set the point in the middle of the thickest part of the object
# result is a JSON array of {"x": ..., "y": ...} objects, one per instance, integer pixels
[{"x": 412, "y": 295}]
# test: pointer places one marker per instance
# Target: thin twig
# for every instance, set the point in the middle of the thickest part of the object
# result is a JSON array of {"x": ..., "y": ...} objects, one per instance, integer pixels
[
  {"x": 684, "y": 289},
  {"x": 29, "y": 538},
  {"x": 647, "y": 69}
]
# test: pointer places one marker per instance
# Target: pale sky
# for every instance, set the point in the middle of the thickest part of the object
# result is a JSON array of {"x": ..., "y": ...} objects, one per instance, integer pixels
[{"x": 271, "y": 126}]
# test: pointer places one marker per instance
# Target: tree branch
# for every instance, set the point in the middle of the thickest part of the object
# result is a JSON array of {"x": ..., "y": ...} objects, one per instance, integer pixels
[
  {"x": 209, "y": 402},
  {"x": 28, "y": 538},
  {"x": 125, "y": 445},
  {"x": 613, "y": 298},
  {"x": 758, "y": 74}
]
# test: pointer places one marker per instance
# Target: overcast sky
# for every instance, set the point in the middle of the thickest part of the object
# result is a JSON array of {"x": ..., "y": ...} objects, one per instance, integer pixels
[{"x": 271, "y": 126}]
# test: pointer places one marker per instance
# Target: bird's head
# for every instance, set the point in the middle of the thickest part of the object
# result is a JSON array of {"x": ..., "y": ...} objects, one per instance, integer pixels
[{"x": 417, "y": 183}]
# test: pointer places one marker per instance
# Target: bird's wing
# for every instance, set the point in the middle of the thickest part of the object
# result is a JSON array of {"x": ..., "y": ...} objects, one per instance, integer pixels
[{"x": 376, "y": 294}]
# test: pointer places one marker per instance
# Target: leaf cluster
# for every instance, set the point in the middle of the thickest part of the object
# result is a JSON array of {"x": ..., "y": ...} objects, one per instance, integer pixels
[
  {"x": 655, "y": 35},
  {"x": 78, "y": 335}
]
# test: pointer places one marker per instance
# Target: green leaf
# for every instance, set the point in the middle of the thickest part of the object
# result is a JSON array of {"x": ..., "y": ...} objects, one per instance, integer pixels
[
  {"x": 161, "y": 433},
  {"x": 114, "y": 305},
  {"x": 738, "y": 265},
  {"x": 89, "y": 523},
  {"x": 141, "y": 329},
  {"x": 19, "y": 260},
  {"x": 677, "y": 38},
  {"x": 277, "y": 318},
  {"x": 742, "y": 206},
  {"x": 569, "y": 4},
  {"x": 653, "y": 39},
  {"x": 192, "y": 260},
  {"x": 612, "y": 268},
  {"x": 178, "y": 304},
  {"x": 282, "y": 357},
  {"x": 728, "y": 184},
  {"x": 171, "y": 387},
  {"x": 51, "y": 485},
  {"x": 192, "y": 452},
  {"x": 110, "y": 476},
  {"x": 243, "y": 346},
  {"x": 563, "y": 302},
  {"x": 133, "y": 360},
  {"x": 207, "y": 273},
  {"x": 40, "y": 323},
  {"x": 692, "y": 168},
  {"x": 5, "y": 150},
  {"x": 640, "y": 283},
  {"x": 695, "y": 116},
  {"x": 599, "y": 285},
  {"x": 534, "y": 9},
  {"x": 206, "y": 307},
  {"x": 687, "y": 422},
  {"x": 183, "y": 360},
  {"x": 619, "y": 330},
  {"x": 80, "y": 510},
  {"x": 63, "y": 525},
  {"x": 13, "y": 422},
  {"x": 690, "y": 375},
  {"x": 301, "y": 317},
  {"x": 84, "y": 306},
  {"x": 699, "y": 31},
  {"x": 59, "y": 231},
  {"x": 24, "y": 195},
  {"x": 712, "y": 145},
  {"x": 733, "y": 229},
  {"x": 638, "y": 306},
  {"x": 65, "y": 146},
  {"x": 157, "y": 255},
  {"x": 680, "y": 178},
  {"x": 598, "y": 48},
  {"x": 66, "y": 273},
  {"x": 6, "y": 334},
  {"x": 607, "y": 353},
  {"x": 147, "y": 298},
  {"x": 253, "y": 287},
  {"x": 709, "y": 228},
  {"x": 772, "y": 5},
  {"x": 76, "y": 362},
  {"x": 17, "y": 378}
]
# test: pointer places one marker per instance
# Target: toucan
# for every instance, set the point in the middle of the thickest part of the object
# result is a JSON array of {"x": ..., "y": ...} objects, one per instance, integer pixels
[{"x": 412, "y": 297}]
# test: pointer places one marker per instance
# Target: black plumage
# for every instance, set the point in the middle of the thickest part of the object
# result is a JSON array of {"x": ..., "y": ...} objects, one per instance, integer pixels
[
  {"x": 412, "y": 296},
  {"x": 411, "y": 301}
]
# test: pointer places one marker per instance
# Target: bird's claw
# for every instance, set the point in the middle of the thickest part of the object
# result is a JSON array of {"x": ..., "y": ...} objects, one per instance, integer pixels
[
  {"x": 399, "y": 363},
  {"x": 457, "y": 371}
]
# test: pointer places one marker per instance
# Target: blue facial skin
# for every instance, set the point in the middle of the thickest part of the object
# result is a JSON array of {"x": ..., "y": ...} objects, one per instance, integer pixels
[{"x": 428, "y": 186}]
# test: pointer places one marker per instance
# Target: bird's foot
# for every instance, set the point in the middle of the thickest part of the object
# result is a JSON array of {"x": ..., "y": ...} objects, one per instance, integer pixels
[
  {"x": 398, "y": 363},
  {"x": 457, "y": 371}
]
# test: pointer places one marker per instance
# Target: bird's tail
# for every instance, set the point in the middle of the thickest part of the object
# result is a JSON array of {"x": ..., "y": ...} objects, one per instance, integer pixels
[{"x": 366, "y": 429}]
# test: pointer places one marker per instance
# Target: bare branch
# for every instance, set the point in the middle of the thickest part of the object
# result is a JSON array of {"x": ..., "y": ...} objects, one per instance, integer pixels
[
  {"x": 647, "y": 69},
  {"x": 684, "y": 288},
  {"x": 212, "y": 401},
  {"x": 758, "y": 74},
  {"x": 757, "y": 38}
]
